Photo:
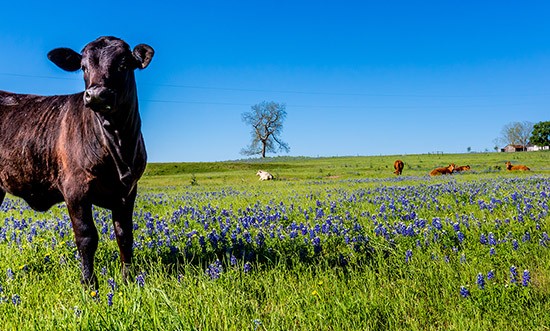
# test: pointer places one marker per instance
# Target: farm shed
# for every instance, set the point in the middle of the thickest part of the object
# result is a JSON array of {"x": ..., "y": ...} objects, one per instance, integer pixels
[{"x": 513, "y": 148}]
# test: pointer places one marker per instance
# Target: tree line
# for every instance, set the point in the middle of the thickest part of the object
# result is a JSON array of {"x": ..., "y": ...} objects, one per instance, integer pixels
[{"x": 525, "y": 133}]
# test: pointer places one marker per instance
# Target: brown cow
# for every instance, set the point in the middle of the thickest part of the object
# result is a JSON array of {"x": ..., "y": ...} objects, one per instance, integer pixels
[
  {"x": 85, "y": 148},
  {"x": 443, "y": 171},
  {"x": 462, "y": 168},
  {"x": 398, "y": 166},
  {"x": 511, "y": 167}
]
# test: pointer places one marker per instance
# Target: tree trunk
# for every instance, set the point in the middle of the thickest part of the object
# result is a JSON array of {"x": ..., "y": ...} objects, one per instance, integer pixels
[{"x": 263, "y": 149}]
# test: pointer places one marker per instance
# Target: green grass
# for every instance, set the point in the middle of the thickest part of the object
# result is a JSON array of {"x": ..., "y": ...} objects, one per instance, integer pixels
[{"x": 362, "y": 282}]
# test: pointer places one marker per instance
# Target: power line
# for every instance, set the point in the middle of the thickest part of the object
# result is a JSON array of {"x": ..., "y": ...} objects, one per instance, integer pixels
[{"x": 215, "y": 88}]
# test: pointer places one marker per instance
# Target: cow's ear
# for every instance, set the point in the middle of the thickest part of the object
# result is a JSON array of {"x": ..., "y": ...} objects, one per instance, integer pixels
[
  {"x": 143, "y": 54},
  {"x": 65, "y": 58}
]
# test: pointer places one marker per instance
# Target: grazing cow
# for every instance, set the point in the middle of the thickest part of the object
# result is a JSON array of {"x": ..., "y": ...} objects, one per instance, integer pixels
[
  {"x": 398, "y": 166},
  {"x": 462, "y": 168},
  {"x": 85, "y": 148},
  {"x": 264, "y": 175},
  {"x": 443, "y": 171},
  {"x": 511, "y": 167}
]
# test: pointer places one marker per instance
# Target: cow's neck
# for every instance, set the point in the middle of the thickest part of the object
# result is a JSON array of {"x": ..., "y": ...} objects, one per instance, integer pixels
[{"x": 122, "y": 136}]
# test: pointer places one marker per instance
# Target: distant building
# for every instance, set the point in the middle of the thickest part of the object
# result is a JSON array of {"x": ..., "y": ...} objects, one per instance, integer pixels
[
  {"x": 513, "y": 148},
  {"x": 521, "y": 148},
  {"x": 531, "y": 148}
]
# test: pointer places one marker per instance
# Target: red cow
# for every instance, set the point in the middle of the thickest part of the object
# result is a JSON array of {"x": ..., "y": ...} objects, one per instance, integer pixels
[
  {"x": 443, "y": 171},
  {"x": 462, "y": 168},
  {"x": 520, "y": 167},
  {"x": 398, "y": 166}
]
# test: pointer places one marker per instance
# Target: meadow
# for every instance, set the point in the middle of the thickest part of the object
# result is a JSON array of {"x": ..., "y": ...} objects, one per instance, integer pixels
[{"x": 331, "y": 244}]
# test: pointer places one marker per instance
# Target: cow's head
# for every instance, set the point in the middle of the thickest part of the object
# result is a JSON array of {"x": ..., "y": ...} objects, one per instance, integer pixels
[{"x": 108, "y": 65}]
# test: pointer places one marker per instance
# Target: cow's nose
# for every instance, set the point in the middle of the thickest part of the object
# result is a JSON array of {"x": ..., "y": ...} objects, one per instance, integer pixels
[{"x": 98, "y": 97}]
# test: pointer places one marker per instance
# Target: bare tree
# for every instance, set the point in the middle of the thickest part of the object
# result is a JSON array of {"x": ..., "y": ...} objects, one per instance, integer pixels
[
  {"x": 266, "y": 119},
  {"x": 516, "y": 133}
]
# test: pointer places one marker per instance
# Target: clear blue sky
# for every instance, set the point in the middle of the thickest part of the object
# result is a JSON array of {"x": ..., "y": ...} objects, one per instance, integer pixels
[{"x": 357, "y": 77}]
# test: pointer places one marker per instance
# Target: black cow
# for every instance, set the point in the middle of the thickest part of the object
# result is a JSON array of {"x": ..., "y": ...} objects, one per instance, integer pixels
[{"x": 85, "y": 149}]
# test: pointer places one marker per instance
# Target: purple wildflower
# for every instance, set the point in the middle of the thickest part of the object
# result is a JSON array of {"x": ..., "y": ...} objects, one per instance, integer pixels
[
  {"x": 492, "y": 239},
  {"x": 490, "y": 274},
  {"x": 513, "y": 274},
  {"x": 460, "y": 236},
  {"x": 111, "y": 283},
  {"x": 408, "y": 255},
  {"x": 526, "y": 278},
  {"x": 214, "y": 270},
  {"x": 15, "y": 299},
  {"x": 110, "y": 299},
  {"x": 247, "y": 267},
  {"x": 480, "y": 281},
  {"x": 483, "y": 239},
  {"x": 140, "y": 279},
  {"x": 464, "y": 292}
]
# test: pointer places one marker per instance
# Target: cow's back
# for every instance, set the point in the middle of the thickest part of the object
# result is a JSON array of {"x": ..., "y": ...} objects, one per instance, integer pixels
[{"x": 30, "y": 128}]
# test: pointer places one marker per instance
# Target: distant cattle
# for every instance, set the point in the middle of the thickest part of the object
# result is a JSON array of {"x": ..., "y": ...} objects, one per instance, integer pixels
[
  {"x": 264, "y": 175},
  {"x": 443, "y": 171},
  {"x": 462, "y": 168},
  {"x": 511, "y": 167},
  {"x": 398, "y": 166},
  {"x": 85, "y": 148}
]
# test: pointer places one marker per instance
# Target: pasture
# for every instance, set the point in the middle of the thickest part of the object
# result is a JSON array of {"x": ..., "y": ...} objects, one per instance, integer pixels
[{"x": 331, "y": 244}]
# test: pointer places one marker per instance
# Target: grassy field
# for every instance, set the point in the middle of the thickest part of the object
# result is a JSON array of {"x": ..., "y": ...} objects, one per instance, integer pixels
[{"x": 331, "y": 244}]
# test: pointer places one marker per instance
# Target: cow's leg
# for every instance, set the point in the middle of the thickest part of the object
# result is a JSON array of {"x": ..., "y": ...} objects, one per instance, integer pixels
[
  {"x": 122, "y": 222},
  {"x": 2, "y": 196},
  {"x": 86, "y": 238}
]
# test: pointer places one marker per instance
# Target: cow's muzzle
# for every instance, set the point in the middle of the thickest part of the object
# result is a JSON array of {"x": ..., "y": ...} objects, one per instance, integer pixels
[{"x": 100, "y": 99}]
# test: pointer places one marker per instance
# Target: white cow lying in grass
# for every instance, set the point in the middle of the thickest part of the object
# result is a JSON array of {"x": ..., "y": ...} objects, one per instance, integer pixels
[{"x": 264, "y": 175}]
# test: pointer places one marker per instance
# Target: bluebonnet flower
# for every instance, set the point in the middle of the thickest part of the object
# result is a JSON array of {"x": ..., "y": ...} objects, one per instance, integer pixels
[
  {"x": 112, "y": 283},
  {"x": 233, "y": 260},
  {"x": 490, "y": 274},
  {"x": 492, "y": 239},
  {"x": 103, "y": 271},
  {"x": 464, "y": 292},
  {"x": 526, "y": 278},
  {"x": 140, "y": 279},
  {"x": 483, "y": 239},
  {"x": 214, "y": 270},
  {"x": 513, "y": 274},
  {"x": 515, "y": 245},
  {"x": 492, "y": 251},
  {"x": 257, "y": 323},
  {"x": 316, "y": 245},
  {"x": 456, "y": 227},
  {"x": 480, "y": 281},
  {"x": 9, "y": 273},
  {"x": 460, "y": 236},
  {"x": 16, "y": 299},
  {"x": 247, "y": 267},
  {"x": 408, "y": 255}
]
